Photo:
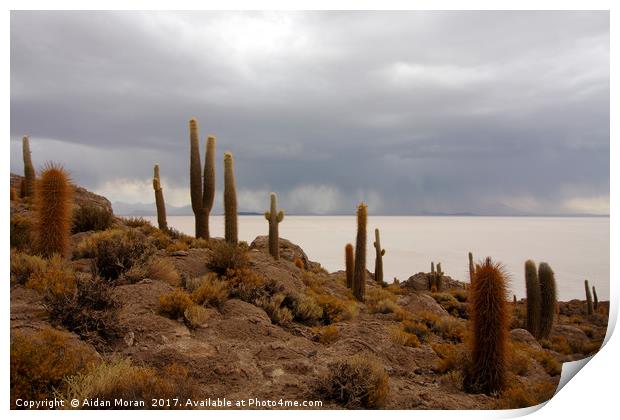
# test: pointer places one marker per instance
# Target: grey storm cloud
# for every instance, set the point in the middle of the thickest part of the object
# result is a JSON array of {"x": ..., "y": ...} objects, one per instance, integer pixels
[{"x": 414, "y": 112}]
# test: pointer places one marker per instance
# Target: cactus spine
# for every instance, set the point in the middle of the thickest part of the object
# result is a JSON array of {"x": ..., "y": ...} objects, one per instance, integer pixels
[
  {"x": 595, "y": 298},
  {"x": 359, "y": 272},
  {"x": 489, "y": 318},
  {"x": 29, "y": 173},
  {"x": 378, "y": 258},
  {"x": 159, "y": 200},
  {"x": 588, "y": 298},
  {"x": 230, "y": 200},
  {"x": 274, "y": 217},
  {"x": 349, "y": 260},
  {"x": 548, "y": 294},
  {"x": 533, "y": 299},
  {"x": 53, "y": 211}
]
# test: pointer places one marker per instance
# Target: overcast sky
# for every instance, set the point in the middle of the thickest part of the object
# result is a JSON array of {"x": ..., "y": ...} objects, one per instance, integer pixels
[{"x": 413, "y": 112}]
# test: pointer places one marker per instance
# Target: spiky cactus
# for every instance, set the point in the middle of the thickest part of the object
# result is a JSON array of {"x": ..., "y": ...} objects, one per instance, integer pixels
[
  {"x": 379, "y": 253},
  {"x": 588, "y": 298},
  {"x": 490, "y": 320},
  {"x": 438, "y": 277},
  {"x": 595, "y": 298},
  {"x": 349, "y": 261},
  {"x": 533, "y": 299},
  {"x": 274, "y": 217},
  {"x": 230, "y": 200},
  {"x": 53, "y": 211},
  {"x": 159, "y": 200},
  {"x": 29, "y": 173},
  {"x": 471, "y": 267},
  {"x": 359, "y": 272},
  {"x": 202, "y": 185},
  {"x": 548, "y": 294}
]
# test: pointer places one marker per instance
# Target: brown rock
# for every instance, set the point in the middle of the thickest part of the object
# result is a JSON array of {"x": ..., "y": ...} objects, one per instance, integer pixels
[{"x": 520, "y": 335}]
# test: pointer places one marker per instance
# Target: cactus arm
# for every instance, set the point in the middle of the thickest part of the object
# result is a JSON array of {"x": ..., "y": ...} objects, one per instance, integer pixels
[{"x": 280, "y": 216}]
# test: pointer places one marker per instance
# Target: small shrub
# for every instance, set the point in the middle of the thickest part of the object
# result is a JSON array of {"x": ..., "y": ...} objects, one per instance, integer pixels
[
  {"x": 275, "y": 308},
  {"x": 23, "y": 266},
  {"x": 160, "y": 239},
  {"x": 91, "y": 217},
  {"x": 399, "y": 336},
  {"x": 196, "y": 316},
  {"x": 450, "y": 329},
  {"x": 41, "y": 360},
  {"x": 89, "y": 311},
  {"x": 211, "y": 292},
  {"x": 335, "y": 310},
  {"x": 117, "y": 251},
  {"x": 299, "y": 263},
  {"x": 519, "y": 395},
  {"x": 226, "y": 257},
  {"x": 177, "y": 246},
  {"x": 327, "y": 335},
  {"x": 459, "y": 294},
  {"x": 136, "y": 222},
  {"x": 416, "y": 327},
  {"x": 55, "y": 280},
  {"x": 357, "y": 382},
  {"x": 199, "y": 243},
  {"x": 249, "y": 286},
  {"x": 120, "y": 379},
  {"x": 519, "y": 363},
  {"x": 174, "y": 304},
  {"x": 450, "y": 357},
  {"x": 163, "y": 270},
  {"x": 314, "y": 281},
  {"x": 548, "y": 362},
  {"x": 21, "y": 232},
  {"x": 307, "y": 310},
  {"x": 384, "y": 306}
]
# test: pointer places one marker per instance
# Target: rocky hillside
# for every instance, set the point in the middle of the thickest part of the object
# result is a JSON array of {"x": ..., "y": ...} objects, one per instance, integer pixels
[{"x": 144, "y": 314}]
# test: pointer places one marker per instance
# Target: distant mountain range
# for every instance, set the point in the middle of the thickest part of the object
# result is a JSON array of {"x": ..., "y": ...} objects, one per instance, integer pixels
[{"x": 148, "y": 209}]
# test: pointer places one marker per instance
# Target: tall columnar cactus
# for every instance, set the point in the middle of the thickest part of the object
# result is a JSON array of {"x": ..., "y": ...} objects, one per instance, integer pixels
[
  {"x": 431, "y": 278},
  {"x": 202, "y": 191},
  {"x": 548, "y": 293},
  {"x": 349, "y": 261},
  {"x": 208, "y": 192},
  {"x": 29, "y": 173},
  {"x": 514, "y": 299},
  {"x": 438, "y": 277},
  {"x": 379, "y": 253},
  {"x": 274, "y": 217},
  {"x": 595, "y": 298},
  {"x": 490, "y": 320},
  {"x": 230, "y": 200},
  {"x": 533, "y": 299},
  {"x": 159, "y": 200},
  {"x": 359, "y": 272},
  {"x": 471, "y": 267},
  {"x": 53, "y": 211},
  {"x": 588, "y": 298}
]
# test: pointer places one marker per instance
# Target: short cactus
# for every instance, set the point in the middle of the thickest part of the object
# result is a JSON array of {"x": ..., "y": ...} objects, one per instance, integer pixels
[
  {"x": 379, "y": 253},
  {"x": 29, "y": 173},
  {"x": 274, "y": 218},
  {"x": 359, "y": 272},
  {"x": 595, "y": 298},
  {"x": 159, "y": 200},
  {"x": 230, "y": 201},
  {"x": 533, "y": 299},
  {"x": 590, "y": 306},
  {"x": 548, "y": 293},
  {"x": 349, "y": 260},
  {"x": 489, "y": 317},
  {"x": 53, "y": 211}
]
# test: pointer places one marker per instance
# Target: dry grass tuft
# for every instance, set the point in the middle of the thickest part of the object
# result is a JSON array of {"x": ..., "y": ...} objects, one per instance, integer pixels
[
  {"x": 326, "y": 335},
  {"x": 163, "y": 270},
  {"x": 357, "y": 382},
  {"x": 23, "y": 266},
  {"x": 174, "y": 304},
  {"x": 21, "y": 232},
  {"x": 41, "y": 360},
  {"x": 196, "y": 316},
  {"x": 519, "y": 395},
  {"x": 226, "y": 257},
  {"x": 402, "y": 337},
  {"x": 211, "y": 291},
  {"x": 91, "y": 217},
  {"x": 276, "y": 308}
]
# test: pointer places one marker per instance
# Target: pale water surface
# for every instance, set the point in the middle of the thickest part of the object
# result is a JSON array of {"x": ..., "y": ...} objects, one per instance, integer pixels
[{"x": 576, "y": 248}]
